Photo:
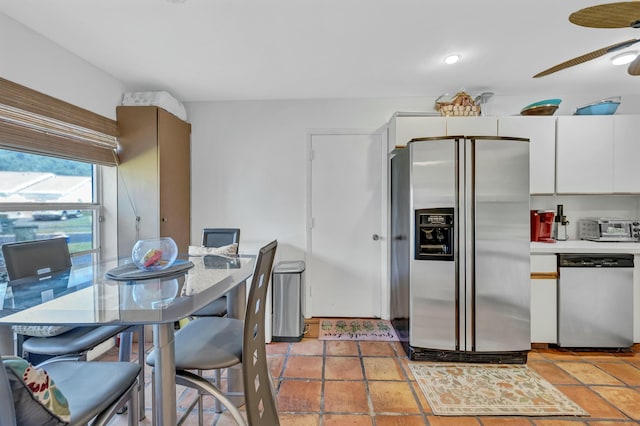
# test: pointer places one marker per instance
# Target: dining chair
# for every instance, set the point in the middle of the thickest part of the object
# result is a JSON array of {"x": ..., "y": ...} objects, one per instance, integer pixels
[
  {"x": 94, "y": 391},
  {"x": 217, "y": 237},
  {"x": 213, "y": 343},
  {"x": 42, "y": 258}
]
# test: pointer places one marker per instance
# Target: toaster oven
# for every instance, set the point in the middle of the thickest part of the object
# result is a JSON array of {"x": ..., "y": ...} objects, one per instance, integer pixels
[{"x": 613, "y": 230}]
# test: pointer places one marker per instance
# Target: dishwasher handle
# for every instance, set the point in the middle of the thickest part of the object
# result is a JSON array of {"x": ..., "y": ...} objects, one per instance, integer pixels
[{"x": 604, "y": 260}]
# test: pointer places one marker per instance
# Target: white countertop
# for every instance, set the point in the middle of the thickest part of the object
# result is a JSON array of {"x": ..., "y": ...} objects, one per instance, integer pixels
[{"x": 581, "y": 246}]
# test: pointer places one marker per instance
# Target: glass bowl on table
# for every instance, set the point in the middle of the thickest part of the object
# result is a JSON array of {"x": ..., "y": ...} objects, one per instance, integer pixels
[
  {"x": 155, "y": 294},
  {"x": 154, "y": 254}
]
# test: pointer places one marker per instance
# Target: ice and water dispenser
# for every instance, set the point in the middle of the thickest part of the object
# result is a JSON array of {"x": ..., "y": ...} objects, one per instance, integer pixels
[{"x": 434, "y": 229}]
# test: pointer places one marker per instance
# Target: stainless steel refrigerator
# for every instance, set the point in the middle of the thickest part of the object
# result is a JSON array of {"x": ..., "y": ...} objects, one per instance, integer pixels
[{"x": 460, "y": 249}]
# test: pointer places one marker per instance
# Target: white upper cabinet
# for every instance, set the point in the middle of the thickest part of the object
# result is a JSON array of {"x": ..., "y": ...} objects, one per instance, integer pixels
[
  {"x": 472, "y": 126},
  {"x": 585, "y": 155},
  {"x": 403, "y": 128},
  {"x": 541, "y": 131},
  {"x": 596, "y": 154},
  {"x": 626, "y": 151}
]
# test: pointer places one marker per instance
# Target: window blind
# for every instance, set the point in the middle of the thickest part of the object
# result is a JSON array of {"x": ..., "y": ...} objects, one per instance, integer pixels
[{"x": 33, "y": 122}]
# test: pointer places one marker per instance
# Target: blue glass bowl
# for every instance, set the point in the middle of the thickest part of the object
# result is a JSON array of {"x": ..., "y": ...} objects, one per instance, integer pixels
[
  {"x": 154, "y": 254},
  {"x": 604, "y": 107}
]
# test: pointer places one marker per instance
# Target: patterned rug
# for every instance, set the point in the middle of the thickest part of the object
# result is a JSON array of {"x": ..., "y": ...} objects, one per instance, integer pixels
[
  {"x": 356, "y": 329},
  {"x": 490, "y": 389}
]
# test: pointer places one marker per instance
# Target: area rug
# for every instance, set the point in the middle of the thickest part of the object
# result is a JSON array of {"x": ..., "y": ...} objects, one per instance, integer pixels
[
  {"x": 356, "y": 329},
  {"x": 490, "y": 389}
]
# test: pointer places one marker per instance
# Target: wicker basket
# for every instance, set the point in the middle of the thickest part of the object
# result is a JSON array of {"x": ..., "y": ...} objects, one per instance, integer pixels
[{"x": 461, "y": 105}]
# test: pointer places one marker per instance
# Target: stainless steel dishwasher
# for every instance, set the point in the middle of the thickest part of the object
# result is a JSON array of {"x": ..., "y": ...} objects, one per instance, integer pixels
[{"x": 595, "y": 300}]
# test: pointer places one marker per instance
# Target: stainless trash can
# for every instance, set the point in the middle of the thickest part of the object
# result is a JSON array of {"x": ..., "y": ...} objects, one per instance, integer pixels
[{"x": 288, "y": 287}]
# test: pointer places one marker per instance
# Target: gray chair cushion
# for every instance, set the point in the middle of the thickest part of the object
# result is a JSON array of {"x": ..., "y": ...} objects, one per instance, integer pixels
[
  {"x": 80, "y": 339},
  {"x": 217, "y": 308},
  {"x": 207, "y": 343},
  {"x": 91, "y": 387}
]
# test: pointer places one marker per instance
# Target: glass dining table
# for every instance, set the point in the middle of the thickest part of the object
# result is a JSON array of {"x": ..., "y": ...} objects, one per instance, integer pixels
[{"x": 115, "y": 292}]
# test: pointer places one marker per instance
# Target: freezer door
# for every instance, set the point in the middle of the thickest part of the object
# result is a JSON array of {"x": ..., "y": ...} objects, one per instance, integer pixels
[
  {"x": 499, "y": 297},
  {"x": 433, "y": 303}
]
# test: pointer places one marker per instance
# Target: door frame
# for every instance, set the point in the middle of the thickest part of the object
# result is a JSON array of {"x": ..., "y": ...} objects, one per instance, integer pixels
[{"x": 383, "y": 310}]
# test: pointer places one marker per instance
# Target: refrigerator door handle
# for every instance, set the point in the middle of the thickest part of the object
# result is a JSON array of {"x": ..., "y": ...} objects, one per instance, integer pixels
[
  {"x": 470, "y": 238},
  {"x": 459, "y": 239}
]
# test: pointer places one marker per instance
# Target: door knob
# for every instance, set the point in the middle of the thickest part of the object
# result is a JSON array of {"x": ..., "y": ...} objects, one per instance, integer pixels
[{"x": 375, "y": 237}]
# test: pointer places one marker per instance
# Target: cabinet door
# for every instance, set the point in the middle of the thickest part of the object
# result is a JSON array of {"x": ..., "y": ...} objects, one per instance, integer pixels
[
  {"x": 174, "y": 178},
  {"x": 544, "y": 316},
  {"x": 138, "y": 214},
  {"x": 403, "y": 129},
  {"x": 541, "y": 131},
  {"x": 584, "y": 163},
  {"x": 544, "y": 298},
  {"x": 472, "y": 126},
  {"x": 626, "y": 173}
]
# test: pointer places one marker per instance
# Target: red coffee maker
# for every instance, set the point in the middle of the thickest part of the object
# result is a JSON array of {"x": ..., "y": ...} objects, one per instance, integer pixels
[{"x": 542, "y": 226}]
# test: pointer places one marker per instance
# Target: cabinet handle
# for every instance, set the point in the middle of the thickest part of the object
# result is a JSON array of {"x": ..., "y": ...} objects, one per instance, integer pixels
[
  {"x": 164, "y": 219},
  {"x": 544, "y": 275}
]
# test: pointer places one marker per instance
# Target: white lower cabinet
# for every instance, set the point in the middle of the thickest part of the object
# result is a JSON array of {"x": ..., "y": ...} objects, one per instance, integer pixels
[{"x": 544, "y": 299}]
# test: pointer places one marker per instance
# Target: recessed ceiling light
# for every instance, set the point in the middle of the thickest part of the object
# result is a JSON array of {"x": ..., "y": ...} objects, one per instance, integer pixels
[
  {"x": 452, "y": 59},
  {"x": 624, "y": 58}
]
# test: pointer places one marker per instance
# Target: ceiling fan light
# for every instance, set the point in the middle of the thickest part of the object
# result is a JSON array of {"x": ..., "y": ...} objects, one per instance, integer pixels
[
  {"x": 624, "y": 58},
  {"x": 452, "y": 59}
]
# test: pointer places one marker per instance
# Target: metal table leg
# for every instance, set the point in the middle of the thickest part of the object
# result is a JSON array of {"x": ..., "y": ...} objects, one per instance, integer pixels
[{"x": 165, "y": 375}]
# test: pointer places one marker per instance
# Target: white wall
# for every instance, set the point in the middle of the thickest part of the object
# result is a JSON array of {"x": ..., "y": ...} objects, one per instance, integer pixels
[
  {"x": 249, "y": 162},
  {"x": 36, "y": 62}
]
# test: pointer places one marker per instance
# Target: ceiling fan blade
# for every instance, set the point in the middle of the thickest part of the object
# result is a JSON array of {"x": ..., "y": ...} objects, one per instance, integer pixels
[
  {"x": 587, "y": 57},
  {"x": 610, "y": 15},
  {"x": 634, "y": 67}
]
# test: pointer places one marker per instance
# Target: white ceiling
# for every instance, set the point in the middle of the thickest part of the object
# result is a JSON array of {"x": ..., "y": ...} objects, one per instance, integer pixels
[{"x": 294, "y": 49}]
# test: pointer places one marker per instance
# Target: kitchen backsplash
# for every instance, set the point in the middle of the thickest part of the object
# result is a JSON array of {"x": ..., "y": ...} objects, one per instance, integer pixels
[{"x": 583, "y": 206}]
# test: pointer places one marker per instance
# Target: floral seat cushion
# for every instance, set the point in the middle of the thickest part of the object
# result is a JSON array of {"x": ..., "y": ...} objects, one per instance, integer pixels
[
  {"x": 36, "y": 398},
  {"x": 41, "y": 330}
]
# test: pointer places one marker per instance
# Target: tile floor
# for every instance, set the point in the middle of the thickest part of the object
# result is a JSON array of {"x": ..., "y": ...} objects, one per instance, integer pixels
[{"x": 328, "y": 383}]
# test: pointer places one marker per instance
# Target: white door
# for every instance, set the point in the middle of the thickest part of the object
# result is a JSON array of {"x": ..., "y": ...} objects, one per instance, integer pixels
[{"x": 345, "y": 250}]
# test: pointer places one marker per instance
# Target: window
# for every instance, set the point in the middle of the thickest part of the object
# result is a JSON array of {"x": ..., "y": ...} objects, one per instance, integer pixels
[
  {"x": 49, "y": 174},
  {"x": 43, "y": 197}
]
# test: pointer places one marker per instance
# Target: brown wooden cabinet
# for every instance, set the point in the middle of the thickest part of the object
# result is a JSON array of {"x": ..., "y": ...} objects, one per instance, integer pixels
[{"x": 154, "y": 178}]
